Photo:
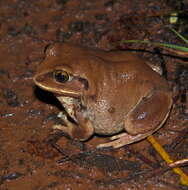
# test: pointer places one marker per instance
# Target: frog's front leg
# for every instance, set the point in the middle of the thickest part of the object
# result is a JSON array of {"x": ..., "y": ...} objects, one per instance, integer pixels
[
  {"x": 67, "y": 128},
  {"x": 81, "y": 130},
  {"x": 145, "y": 118}
]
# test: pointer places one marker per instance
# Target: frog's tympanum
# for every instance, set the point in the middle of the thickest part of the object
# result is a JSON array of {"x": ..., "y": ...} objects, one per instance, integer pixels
[{"x": 108, "y": 93}]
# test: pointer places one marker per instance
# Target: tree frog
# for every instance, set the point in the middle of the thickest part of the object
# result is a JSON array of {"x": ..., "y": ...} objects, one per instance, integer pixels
[{"x": 112, "y": 93}]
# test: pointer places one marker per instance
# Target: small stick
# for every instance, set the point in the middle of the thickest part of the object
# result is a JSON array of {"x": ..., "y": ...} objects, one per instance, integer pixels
[{"x": 166, "y": 157}]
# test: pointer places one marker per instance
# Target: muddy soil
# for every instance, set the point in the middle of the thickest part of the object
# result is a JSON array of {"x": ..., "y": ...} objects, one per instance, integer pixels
[{"x": 29, "y": 157}]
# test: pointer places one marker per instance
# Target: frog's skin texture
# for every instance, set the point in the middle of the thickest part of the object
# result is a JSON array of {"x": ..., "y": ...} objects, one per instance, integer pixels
[{"x": 108, "y": 93}]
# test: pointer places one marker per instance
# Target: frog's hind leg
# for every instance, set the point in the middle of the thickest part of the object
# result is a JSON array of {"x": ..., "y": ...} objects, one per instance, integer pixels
[
  {"x": 123, "y": 139},
  {"x": 149, "y": 114},
  {"x": 145, "y": 118}
]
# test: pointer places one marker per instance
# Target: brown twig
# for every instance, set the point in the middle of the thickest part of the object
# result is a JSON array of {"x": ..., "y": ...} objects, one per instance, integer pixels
[
  {"x": 145, "y": 175},
  {"x": 179, "y": 163},
  {"x": 177, "y": 52},
  {"x": 165, "y": 168}
]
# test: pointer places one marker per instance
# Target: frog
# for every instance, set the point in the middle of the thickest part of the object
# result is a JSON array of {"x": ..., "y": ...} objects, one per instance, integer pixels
[{"x": 112, "y": 94}]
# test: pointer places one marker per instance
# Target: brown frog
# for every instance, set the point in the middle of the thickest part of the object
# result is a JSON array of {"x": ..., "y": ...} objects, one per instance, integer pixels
[{"x": 107, "y": 93}]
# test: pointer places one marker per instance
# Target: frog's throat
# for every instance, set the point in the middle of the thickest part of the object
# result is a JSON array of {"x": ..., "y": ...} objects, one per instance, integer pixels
[{"x": 69, "y": 104}]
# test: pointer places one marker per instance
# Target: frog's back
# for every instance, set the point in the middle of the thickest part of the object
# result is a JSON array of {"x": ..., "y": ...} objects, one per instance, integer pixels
[{"x": 127, "y": 79}]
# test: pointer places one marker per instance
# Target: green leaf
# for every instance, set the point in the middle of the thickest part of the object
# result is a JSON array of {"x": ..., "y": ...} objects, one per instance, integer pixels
[
  {"x": 172, "y": 46},
  {"x": 179, "y": 35}
]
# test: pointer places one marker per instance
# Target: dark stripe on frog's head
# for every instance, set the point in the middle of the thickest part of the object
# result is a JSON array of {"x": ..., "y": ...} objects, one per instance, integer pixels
[{"x": 84, "y": 82}]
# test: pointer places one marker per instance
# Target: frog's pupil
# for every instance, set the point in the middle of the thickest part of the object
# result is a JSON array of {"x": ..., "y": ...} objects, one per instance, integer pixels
[{"x": 61, "y": 77}]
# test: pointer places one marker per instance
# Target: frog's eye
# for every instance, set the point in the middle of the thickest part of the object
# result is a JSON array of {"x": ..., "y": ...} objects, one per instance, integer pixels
[{"x": 61, "y": 76}]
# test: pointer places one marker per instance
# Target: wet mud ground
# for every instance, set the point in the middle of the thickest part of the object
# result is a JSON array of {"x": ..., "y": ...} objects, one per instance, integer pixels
[{"x": 28, "y": 158}]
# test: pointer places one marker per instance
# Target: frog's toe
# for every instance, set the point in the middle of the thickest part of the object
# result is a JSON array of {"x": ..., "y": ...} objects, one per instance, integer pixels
[
  {"x": 118, "y": 136},
  {"x": 106, "y": 145},
  {"x": 62, "y": 116},
  {"x": 121, "y": 140},
  {"x": 60, "y": 127},
  {"x": 114, "y": 144}
]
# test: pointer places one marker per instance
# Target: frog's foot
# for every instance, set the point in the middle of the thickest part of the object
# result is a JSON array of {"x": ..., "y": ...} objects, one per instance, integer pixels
[
  {"x": 63, "y": 128},
  {"x": 62, "y": 116},
  {"x": 75, "y": 131},
  {"x": 68, "y": 125},
  {"x": 122, "y": 139}
]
